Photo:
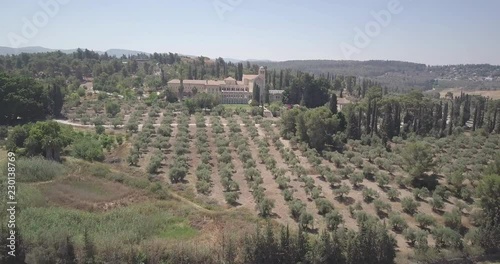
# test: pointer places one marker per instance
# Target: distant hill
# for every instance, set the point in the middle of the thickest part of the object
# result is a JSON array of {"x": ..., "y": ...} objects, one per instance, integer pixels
[
  {"x": 121, "y": 52},
  {"x": 111, "y": 52}
]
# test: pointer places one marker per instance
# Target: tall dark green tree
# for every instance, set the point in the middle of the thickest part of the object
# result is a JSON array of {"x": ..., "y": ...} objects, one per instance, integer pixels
[
  {"x": 57, "y": 98},
  {"x": 24, "y": 98},
  {"x": 256, "y": 93},
  {"x": 333, "y": 103}
]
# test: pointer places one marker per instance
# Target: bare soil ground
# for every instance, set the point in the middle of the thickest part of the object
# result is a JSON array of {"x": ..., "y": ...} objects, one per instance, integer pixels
[{"x": 89, "y": 194}]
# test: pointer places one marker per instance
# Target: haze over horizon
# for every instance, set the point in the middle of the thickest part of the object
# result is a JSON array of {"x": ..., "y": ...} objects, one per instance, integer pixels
[{"x": 434, "y": 33}]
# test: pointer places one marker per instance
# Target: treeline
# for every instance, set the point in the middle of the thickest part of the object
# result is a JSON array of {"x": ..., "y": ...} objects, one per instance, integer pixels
[
  {"x": 371, "y": 244},
  {"x": 111, "y": 74},
  {"x": 24, "y": 99},
  {"x": 314, "y": 91},
  {"x": 389, "y": 116},
  {"x": 397, "y": 75}
]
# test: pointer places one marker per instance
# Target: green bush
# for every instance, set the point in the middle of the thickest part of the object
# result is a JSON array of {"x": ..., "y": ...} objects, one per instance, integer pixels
[
  {"x": 324, "y": 206},
  {"x": 333, "y": 219},
  {"x": 393, "y": 194},
  {"x": 177, "y": 174},
  {"x": 437, "y": 202},
  {"x": 397, "y": 222},
  {"x": 296, "y": 208},
  {"x": 203, "y": 187},
  {"x": 409, "y": 205},
  {"x": 369, "y": 194},
  {"x": 37, "y": 169},
  {"x": 88, "y": 148},
  {"x": 425, "y": 220},
  {"x": 231, "y": 197},
  {"x": 453, "y": 219},
  {"x": 265, "y": 207}
]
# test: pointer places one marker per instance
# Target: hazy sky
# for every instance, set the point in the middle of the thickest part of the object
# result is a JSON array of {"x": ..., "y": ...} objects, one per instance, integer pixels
[{"x": 426, "y": 31}]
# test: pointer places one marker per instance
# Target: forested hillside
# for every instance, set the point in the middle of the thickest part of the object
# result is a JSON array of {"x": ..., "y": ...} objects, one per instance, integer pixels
[{"x": 402, "y": 76}]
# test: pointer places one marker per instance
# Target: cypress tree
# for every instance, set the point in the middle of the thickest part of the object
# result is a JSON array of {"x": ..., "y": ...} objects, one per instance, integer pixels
[
  {"x": 281, "y": 79},
  {"x": 452, "y": 119},
  {"x": 368, "y": 116},
  {"x": 333, "y": 103}
]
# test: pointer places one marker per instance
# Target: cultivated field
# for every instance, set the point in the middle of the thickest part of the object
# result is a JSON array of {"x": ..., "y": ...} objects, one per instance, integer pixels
[{"x": 235, "y": 160}]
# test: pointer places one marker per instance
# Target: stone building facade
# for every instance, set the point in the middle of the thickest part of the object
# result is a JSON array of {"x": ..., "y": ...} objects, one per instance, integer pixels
[{"x": 229, "y": 90}]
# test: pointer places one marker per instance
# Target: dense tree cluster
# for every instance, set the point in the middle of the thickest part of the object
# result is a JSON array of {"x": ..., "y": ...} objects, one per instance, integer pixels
[
  {"x": 371, "y": 244},
  {"x": 314, "y": 126},
  {"x": 25, "y": 99}
]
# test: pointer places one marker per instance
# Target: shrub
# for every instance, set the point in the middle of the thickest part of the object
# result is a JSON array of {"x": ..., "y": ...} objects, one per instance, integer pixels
[
  {"x": 382, "y": 179},
  {"x": 393, "y": 194},
  {"x": 296, "y": 208},
  {"x": 447, "y": 237},
  {"x": 342, "y": 191},
  {"x": 177, "y": 174},
  {"x": 356, "y": 179},
  {"x": 357, "y": 161},
  {"x": 231, "y": 197},
  {"x": 369, "y": 171},
  {"x": 119, "y": 139},
  {"x": 36, "y": 169},
  {"x": 381, "y": 206},
  {"x": 437, "y": 202},
  {"x": 324, "y": 206},
  {"x": 409, "y": 205},
  {"x": 425, "y": 220},
  {"x": 397, "y": 222},
  {"x": 333, "y": 219},
  {"x": 154, "y": 165},
  {"x": 369, "y": 194},
  {"x": 403, "y": 182},
  {"x": 88, "y": 148},
  {"x": 133, "y": 158},
  {"x": 410, "y": 235},
  {"x": 421, "y": 193},
  {"x": 305, "y": 219},
  {"x": 265, "y": 207},
  {"x": 288, "y": 195},
  {"x": 282, "y": 182},
  {"x": 417, "y": 238},
  {"x": 332, "y": 179},
  {"x": 346, "y": 171},
  {"x": 338, "y": 160},
  {"x": 99, "y": 129},
  {"x": 132, "y": 127},
  {"x": 442, "y": 192},
  {"x": 453, "y": 220}
]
